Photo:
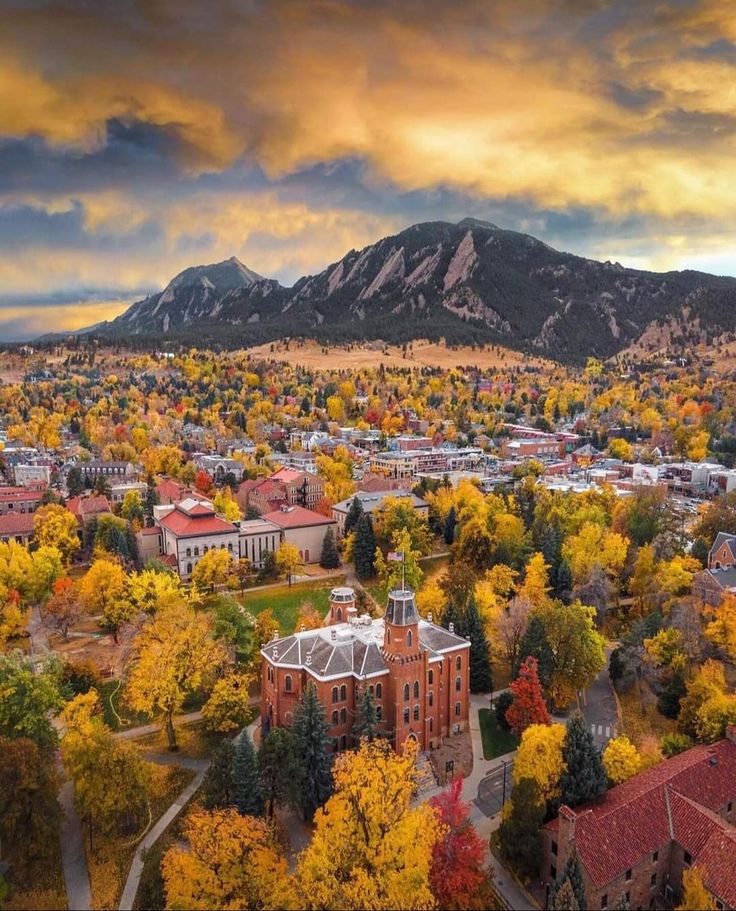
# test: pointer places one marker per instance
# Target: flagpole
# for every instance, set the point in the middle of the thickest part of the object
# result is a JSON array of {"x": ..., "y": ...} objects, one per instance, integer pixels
[{"x": 403, "y": 564}]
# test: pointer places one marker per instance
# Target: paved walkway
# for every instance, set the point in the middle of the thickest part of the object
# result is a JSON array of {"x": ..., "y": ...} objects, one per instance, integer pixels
[
  {"x": 144, "y": 730},
  {"x": 73, "y": 857}
]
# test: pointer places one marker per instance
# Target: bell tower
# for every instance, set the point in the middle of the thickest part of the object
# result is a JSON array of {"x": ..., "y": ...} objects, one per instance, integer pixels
[{"x": 401, "y": 625}]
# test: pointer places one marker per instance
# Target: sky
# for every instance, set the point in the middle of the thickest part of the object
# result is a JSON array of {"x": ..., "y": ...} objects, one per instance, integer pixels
[{"x": 139, "y": 137}]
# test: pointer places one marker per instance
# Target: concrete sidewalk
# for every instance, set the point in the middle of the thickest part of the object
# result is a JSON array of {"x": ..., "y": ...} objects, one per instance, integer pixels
[{"x": 73, "y": 856}]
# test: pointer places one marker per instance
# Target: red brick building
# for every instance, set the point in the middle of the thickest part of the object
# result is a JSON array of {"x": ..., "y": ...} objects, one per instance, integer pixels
[
  {"x": 418, "y": 672},
  {"x": 711, "y": 584},
  {"x": 638, "y": 838}
]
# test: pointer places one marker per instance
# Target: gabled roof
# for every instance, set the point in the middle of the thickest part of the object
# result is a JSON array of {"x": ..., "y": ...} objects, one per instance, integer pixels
[
  {"x": 16, "y": 523},
  {"x": 83, "y": 507},
  {"x": 724, "y": 538}
]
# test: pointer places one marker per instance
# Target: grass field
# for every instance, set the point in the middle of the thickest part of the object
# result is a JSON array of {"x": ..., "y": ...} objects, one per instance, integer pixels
[
  {"x": 285, "y": 602},
  {"x": 496, "y": 741}
]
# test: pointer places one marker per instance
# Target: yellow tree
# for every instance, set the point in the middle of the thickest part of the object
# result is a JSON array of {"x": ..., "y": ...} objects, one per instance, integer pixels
[
  {"x": 230, "y": 861},
  {"x": 150, "y": 590},
  {"x": 539, "y": 757},
  {"x": 288, "y": 560},
  {"x": 371, "y": 847},
  {"x": 226, "y": 506},
  {"x": 55, "y": 526},
  {"x": 722, "y": 629},
  {"x": 174, "y": 654},
  {"x": 535, "y": 587},
  {"x": 228, "y": 708},
  {"x": 103, "y": 590},
  {"x": 621, "y": 759},
  {"x": 213, "y": 569},
  {"x": 695, "y": 897},
  {"x": 594, "y": 546},
  {"x": 392, "y": 573}
]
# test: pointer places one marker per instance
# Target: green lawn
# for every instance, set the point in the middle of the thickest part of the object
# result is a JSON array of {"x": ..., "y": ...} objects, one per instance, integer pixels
[
  {"x": 285, "y": 602},
  {"x": 496, "y": 741}
]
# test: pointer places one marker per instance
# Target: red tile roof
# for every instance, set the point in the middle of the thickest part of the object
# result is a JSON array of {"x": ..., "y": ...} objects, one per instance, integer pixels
[
  {"x": 82, "y": 507},
  {"x": 296, "y": 517},
  {"x": 185, "y": 525},
  {"x": 18, "y": 494},
  {"x": 675, "y": 800},
  {"x": 18, "y": 523}
]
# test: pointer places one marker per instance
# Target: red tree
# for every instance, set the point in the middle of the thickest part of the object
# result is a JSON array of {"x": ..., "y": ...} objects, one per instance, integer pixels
[
  {"x": 528, "y": 706},
  {"x": 458, "y": 876},
  {"x": 203, "y": 481}
]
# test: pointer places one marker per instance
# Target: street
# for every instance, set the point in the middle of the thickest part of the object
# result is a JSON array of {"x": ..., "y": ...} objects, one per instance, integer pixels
[
  {"x": 598, "y": 705},
  {"x": 491, "y": 792}
]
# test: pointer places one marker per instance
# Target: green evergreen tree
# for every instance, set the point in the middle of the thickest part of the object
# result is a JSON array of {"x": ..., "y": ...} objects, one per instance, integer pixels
[
  {"x": 364, "y": 548},
  {"x": 564, "y": 899},
  {"x": 518, "y": 834},
  {"x": 584, "y": 777},
  {"x": 330, "y": 558},
  {"x": 450, "y": 526},
  {"x": 278, "y": 769},
  {"x": 671, "y": 696},
  {"x": 481, "y": 675},
  {"x": 247, "y": 795},
  {"x": 564, "y": 580},
  {"x": 452, "y": 615},
  {"x": 217, "y": 787},
  {"x": 366, "y": 724},
  {"x": 75, "y": 481},
  {"x": 572, "y": 874},
  {"x": 311, "y": 749},
  {"x": 354, "y": 513},
  {"x": 151, "y": 496},
  {"x": 534, "y": 644}
]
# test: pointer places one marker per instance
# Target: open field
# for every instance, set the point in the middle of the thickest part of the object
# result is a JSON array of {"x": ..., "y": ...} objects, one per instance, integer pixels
[
  {"x": 285, "y": 602},
  {"x": 368, "y": 354}
]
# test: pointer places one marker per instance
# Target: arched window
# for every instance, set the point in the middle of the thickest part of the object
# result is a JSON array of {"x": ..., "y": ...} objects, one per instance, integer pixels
[
  {"x": 458, "y": 709},
  {"x": 430, "y": 678},
  {"x": 416, "y": 713},
  {"x": 458, "y": 684},
  {"x": 409, "y": 639},
  {"x": 343, "y": 693},
  {"x": 406, "y": 716},
  {"x": 288, "y": 718},
  {"x": 406, "y": 692},
  {"x": 339, "y": 615},
  {"x": 196, "y": 551},
  {"x": 335, "y": 696},
  {"x": 230, "y": 547},
  {"x": 189, "y": 568},
  {"x": 189, "y": 551},
  {"x": 458, "y": 663},
  {"x": 379, "y": 712},
  {"x": 388, "y": 635},
  {"x": 343, "y": 716},
  {"x": 344, "y": 742},
  {"x": 379, "y": 690},
  {"x": 287, "y": 683},
  {"x": 431, "y": 725},
  {"x": 431, "y": 699},
  {"x": 416, "y": 689},
  {"x": 334, "y": 717},
  {"x": 205, "y": 549}
]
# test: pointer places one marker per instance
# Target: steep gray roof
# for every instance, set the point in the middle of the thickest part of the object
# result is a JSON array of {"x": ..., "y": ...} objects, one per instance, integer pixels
[{"x": 354, "y": 649}]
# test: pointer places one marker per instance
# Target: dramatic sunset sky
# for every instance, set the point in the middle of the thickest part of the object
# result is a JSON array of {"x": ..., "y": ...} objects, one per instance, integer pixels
[{"x": 138, "y": 137}]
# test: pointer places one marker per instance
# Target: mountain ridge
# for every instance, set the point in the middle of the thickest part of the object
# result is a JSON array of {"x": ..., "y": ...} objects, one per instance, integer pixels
[{"x": 469, "y": 282}]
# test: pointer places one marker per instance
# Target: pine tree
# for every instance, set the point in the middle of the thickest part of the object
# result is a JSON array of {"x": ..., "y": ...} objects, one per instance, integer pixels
[
  {"x": 311, "y": 748},
  {"x": 364, "y": 547},
  {"x": 564, "y": 580},
  {"x": 564, "y": 899},
  {"x": 354, "y": 513},
  {"x": 330, "y": 558},
  {"x": 571, "y": 874},
  {"x": 450, "y": 526},
  {"x": 534, "y": 644},
  {"x": 247, "y": 795},
  {"x": 518, "y": 834},
  {"x": 366, "y": 724},
  {"x": 481, "y": 676},
  {"x": 584, "y": 777},
  {"x": 278, "y": 769},
  {"x": 451, "y": 615},
  {"x": 217, "y": 788}
]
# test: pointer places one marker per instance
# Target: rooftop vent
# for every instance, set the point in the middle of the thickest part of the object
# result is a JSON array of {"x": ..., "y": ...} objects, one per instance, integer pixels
[
  {"x": 451, "y": 627},
  {"x": 333, "y": 634}
]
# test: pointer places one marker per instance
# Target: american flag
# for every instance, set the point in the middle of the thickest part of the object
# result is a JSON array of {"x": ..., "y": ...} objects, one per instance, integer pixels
[{"x": 396, "y": 555}]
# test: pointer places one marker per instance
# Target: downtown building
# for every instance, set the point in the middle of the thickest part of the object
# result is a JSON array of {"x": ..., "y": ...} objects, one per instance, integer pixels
[{"x": 416, "y": 671}]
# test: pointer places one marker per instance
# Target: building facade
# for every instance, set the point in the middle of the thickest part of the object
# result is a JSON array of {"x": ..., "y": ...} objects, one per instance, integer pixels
[
  {"x": 190, "y": 530},
  {"x": 719, "y": 578},
  {"x": 416, "y": 671}
]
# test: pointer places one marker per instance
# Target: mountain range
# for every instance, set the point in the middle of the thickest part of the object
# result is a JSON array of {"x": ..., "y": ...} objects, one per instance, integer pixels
[{"x": 469, "y": 282}]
